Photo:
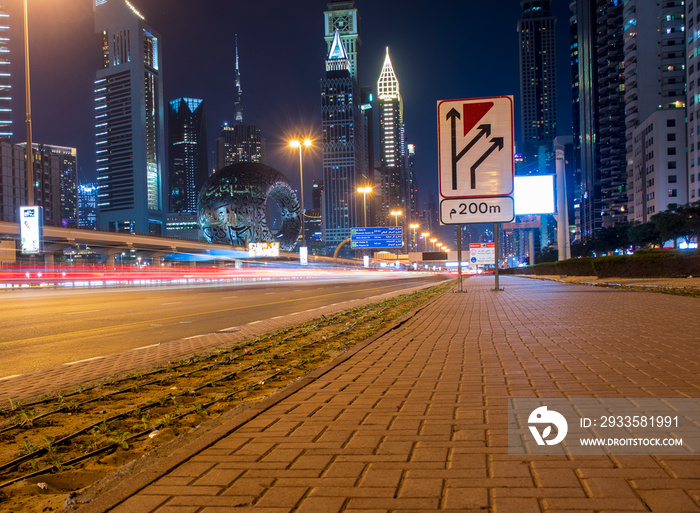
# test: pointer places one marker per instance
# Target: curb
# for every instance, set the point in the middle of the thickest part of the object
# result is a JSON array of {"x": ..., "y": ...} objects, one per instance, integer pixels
[{"x": 167, "y": 462}]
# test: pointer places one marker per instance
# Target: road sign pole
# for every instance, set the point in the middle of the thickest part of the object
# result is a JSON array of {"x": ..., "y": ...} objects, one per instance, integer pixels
[
  {"x": 495, "y": 269},
  {"x": 459, "y": 255}
]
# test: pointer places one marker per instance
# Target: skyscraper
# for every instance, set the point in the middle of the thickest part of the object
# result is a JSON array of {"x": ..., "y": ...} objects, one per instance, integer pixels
[
  {"x": 68, "y": 166},
  {"x": 654, "y": 34},
  {"x": 538, "y": 91},
  {"x": 692, "y": 53},
  {"x": 187, "y": 144},
  {"x": 5, "y": 86},
  {"x": 342, "y": 17},
  {"x": 239, "y": 142},
  {"x": 129, "y": 121},
  {"x": 342, "y": 143},
  {"x": 393, "y": 152},
  {"x": 87, "y": 205}
]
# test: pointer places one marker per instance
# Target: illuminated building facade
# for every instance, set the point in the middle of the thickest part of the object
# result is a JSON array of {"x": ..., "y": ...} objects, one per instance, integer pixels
[
  {"x": 87, "y": 205},
  {"x": 342, "y": 146},
  {"x": 538, "y": 91},
  {"x": 13, "y": 176},
  {"x": 68, "y": 166},
  {"x": 392, "y": 142},
  {"x": 187, "y": 144},
  {"x": 5, "y": 86},
  {"x": 129, "y": 121},
  {"x": 342, "y": 17},
  {"x": 240, "y": 142},
  {"x": 654, "y": 34}
]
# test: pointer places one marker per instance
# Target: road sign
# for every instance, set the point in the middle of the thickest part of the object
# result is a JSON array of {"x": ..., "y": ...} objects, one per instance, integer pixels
[
  {"x": 376, "y": 237},
  {"x": 475, "y": 139},
  {"x": 497, "y": 209},
  {"x": 482, "y": 254}
]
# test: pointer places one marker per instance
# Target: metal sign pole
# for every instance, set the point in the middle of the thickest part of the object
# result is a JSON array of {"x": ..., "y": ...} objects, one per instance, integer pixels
[
  {"x": 459, "y": 255},
  {"x": 495, "y": 240}
]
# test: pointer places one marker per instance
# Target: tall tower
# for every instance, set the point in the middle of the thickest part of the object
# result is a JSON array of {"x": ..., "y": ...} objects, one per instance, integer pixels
[
  {"x": 187, "y": 143},
  {"x": 239, "y": 91},
  {"x": 239, "y": 142},
  {"x": 129, "y": 121},
  {"x": 5, "y": 87},
  {"x": 391, "y": 141},
  {"x": 342, "y": 145},
  {"x": 342, "y": 17},
  {"x": 692, "y": 53},
  {"x": 537, "y": 81}
]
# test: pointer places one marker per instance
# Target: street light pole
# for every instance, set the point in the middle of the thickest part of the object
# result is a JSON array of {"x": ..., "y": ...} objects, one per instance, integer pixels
[
  {"x": 298, "y": 144},
  {"x": 364, "y": 191},
  {"x": 30, "y": 149},
  {"x": 425, "y": 236},
  {"x": 414, "y": 226}
]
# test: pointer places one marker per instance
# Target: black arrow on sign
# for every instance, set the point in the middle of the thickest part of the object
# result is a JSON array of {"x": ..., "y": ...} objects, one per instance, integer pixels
[
  {"x": 484, "y": 130},
  {"x": 497, "y": 143}
]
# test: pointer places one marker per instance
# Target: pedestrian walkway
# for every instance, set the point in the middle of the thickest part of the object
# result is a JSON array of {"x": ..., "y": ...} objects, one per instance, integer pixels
[{"x": 416, "y": 420}]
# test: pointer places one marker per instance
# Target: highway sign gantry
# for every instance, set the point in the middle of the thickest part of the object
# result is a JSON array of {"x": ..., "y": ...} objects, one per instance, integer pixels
[{"x": 475, "y": 139}]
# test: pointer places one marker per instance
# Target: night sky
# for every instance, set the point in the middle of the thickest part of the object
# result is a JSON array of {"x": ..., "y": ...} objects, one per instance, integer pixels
[{"x": 440, "y": 49}]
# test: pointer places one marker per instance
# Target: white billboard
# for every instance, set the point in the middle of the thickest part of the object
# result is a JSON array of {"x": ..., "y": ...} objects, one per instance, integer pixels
[
  {"x": 263, "y": 249},
  {"x": 30, "y": 230},
  {"x": 534, "y": 195}
]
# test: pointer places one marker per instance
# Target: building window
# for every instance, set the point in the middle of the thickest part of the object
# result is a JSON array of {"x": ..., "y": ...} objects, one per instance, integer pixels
[
  {"x": 671, "y": 150},
  {"x": 672, "y": 164},
  {"x": 671, "y": 137},
  {"x": 672, "y": 179},
  {"x": 672, "y": 193}
]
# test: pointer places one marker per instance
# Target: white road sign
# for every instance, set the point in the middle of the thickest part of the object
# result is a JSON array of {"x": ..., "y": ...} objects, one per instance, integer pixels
[
  {"x": 475, "y": 139},
  {"x": 497, "y": 209}
]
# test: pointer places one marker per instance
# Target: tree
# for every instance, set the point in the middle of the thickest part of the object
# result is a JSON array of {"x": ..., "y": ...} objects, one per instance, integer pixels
[
  {"x": 669, "y": 224},
  {"x": 644, "y": 234}
]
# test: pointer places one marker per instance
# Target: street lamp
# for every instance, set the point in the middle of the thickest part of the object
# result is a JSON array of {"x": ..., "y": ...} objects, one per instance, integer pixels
[
  {"x": 30, "y": 153},
  {"x": 396, "y": 214},
  {"x": 433, "y": 241},
  {"x": 298, "y": 144},
  {"x": 364, "y": 191},
  {"x": 425, "y": 236},
  {"x": 414, "y": 227}
]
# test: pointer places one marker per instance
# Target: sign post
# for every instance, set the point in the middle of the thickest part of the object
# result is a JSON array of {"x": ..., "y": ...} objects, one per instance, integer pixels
[{"x": 476, "y": 167}]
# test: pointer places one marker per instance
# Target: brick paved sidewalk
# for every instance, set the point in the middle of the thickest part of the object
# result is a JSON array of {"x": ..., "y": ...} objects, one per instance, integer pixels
[{"x": 416, "y": 420}]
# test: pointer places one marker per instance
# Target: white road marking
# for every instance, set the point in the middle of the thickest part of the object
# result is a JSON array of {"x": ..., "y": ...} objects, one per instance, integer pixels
[
  {"x": 10, "y": 377},
  {"x": 254, "y": 322},
  {"x": 82, "y": 312},
  {"x": 85, "y": 360},
  {"x": 173, "y": 303},
  {"x": 195, "y": 336},
  {"x": 145, "y": 347}
]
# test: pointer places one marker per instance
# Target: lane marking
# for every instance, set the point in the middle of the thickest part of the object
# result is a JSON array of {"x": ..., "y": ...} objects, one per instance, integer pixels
[
  {"x": 144, "y": 347},
  {"x": 173, "y": 303},
  {"x": 254, "y": 322},
  {"x": 85, "y": 360},
  {"x": 195, "y": 336},
  {"x": 82, "y": 312},
  {"x": 11, "y": 377}
]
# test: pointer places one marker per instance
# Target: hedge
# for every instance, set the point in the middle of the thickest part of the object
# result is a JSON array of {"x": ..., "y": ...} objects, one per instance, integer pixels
[{"x": 643, "y": 264}]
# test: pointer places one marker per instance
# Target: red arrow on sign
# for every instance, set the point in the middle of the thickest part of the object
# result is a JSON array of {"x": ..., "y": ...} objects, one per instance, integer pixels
[{"x": 472, "y": 114}]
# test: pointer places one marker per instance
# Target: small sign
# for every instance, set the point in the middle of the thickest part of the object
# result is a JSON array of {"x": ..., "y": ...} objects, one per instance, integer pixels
[
  {"x": 263, "y": 249},
  {"x": 477, "y": 210},
  {"x": 303, "y": 255},
  {"x": 482, "y": 254},
  {"x": 30, "y": 230},
  {"x": 376, "y": 237}
]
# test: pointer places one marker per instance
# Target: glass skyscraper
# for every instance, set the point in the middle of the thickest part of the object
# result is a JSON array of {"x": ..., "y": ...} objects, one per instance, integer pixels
[
  {"x": 187, "y": 144},
  {"x": 5, "y": 87},
  {"x": 129, "y": 121}
]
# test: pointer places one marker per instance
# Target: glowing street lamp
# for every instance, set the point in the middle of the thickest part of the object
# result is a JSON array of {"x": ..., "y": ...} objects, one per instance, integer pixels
[
  {"x": 425, "y": 236},
  {"x": 433, "y": 241},
  {"x": 298, "y": 144},
  {"x": 365, "y": 191},
  {"x": 414, "y": 227}
]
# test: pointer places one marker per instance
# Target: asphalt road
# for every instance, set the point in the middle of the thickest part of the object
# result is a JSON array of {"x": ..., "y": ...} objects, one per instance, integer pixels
[{"x": 43, "y": 328}]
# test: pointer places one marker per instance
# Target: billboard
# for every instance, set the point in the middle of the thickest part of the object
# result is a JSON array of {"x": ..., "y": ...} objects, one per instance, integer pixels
[
  {"x": 534, "y": 195},
  {"x": 263, "y": 249},
  {"x": 30, "y": 230},
  {"x": 482, "y": 254}
]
